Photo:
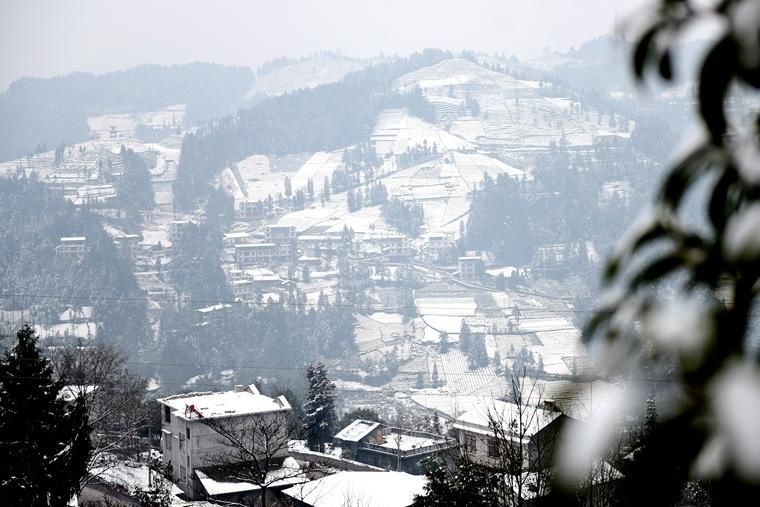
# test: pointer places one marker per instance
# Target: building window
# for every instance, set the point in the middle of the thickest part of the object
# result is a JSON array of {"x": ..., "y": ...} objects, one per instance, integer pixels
[
  {"x": 188, "y": 461},
  {"x": 166, "y": 436},
  {"x": 181, "y": 442},
  {"x": 493, "y": 448},
  {"x": 182, "y": 473},
  {"x": 469, "y": 443},
  {"x": 167, "y": 414},
  {"x": 187, "y": 431}
]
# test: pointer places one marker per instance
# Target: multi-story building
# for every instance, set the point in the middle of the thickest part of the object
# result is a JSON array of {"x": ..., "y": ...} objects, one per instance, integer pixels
[
  {"x": 176, "y": 227},
  {"x": 249, "y": 254},
  {"x": 251, "y": 210},
  {"x": 244, "y": 290},
  {"x": 189, "y": 437},
  {"x": 72, "y": 247},
  {"x": 535, "y": 429},
  {"x": 285, "y": 239},
  {"x": 129, "y": 244},
  {"x": 435, "y": 243},
  {"x": 471, "y": 268},
  {"x": 235, "y": 238},
  {"x": 316, "y": 245}
]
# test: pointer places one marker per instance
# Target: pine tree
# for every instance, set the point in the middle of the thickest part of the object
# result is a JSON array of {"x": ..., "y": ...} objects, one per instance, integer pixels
[
  {"x": 465, "y": 335},
  {"x": 47, "y": 439},
  {"x": 319, "y": 409},
  {"x": 443, "y": 339},
  {"x": 478, "y": 355},
  {"x": 437, "y": 429},
  {"x": 497, "y": 363},
  {"x": 288, "y": 187},
  {"x": 326, "y": 189}
]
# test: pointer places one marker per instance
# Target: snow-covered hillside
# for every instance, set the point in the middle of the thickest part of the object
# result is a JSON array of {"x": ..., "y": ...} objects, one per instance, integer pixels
[
  {"x": 504, "y": 114},
  {"x": 309, "y": 73}
]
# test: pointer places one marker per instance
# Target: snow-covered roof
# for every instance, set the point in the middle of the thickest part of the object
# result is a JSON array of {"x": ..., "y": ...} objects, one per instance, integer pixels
[
  {"x": 236, "y": 235},
  {"x": 288, "y": 474},
  {"x": 506, "y": 271},
  {"x": 213, "y": 308},
  {"x": 70, "y": 393},
  {"x": 357, "y": 430},
  {"x": 258, "y": 272},
  {"x": 73, "y": 239},
  {"x": 368, "y": 489},
  {"x": 396, "y": 440},
  {"x": 249, "y": 246},
  {"x": 69, "y": 314},
  {"x": 242, "y": 401},
  {"x": 477, "y": 419}
]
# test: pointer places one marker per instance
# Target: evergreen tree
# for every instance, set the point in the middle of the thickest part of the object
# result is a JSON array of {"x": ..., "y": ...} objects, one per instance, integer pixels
[
  {"x": 326, "y": 189},
  {"x": 477, "y": 354},
  {"x": 466, "y": 483},
  {"x": 497, "y": 363},
  {"x": 319, "y": 409},
  {"x": 135, "y": 187},
  {"x": 465, "y": 336},
  {"x": 443, "y": 338},
  {"x": 44, "y": 443},
  {"x": 288, "y": 187}
]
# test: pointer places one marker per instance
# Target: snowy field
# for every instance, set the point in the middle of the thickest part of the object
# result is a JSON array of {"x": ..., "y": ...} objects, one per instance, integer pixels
[
  {"x": 126, "y": 124},
  {"x": 254, "y": 180},
  {"x": 461, "y": 380},
  {"x": 321, "y": 165},
  {"x": 397, "y": 131},
  {"x": 444, "y": 314}
]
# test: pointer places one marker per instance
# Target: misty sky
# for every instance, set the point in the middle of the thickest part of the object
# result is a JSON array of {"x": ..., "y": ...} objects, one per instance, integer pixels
[{"x": 51, "y": 37}]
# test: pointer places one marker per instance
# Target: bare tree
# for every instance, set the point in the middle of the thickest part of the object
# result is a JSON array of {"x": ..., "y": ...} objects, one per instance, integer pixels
[
  {"x": 522, "y": 440},
  {"x": 253, "y": 450},
  {"x": 114, "y": 400}
]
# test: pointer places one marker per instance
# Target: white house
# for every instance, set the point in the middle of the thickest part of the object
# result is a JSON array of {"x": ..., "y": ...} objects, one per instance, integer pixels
[
  {"x": 534, "y": 428},
  {"x": 188, "y": 438}
]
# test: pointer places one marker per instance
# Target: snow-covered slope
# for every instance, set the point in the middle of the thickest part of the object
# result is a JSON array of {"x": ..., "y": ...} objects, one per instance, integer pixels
[
  {"x": 510, "y": 114},
  {"x": 309, "y": 73}
]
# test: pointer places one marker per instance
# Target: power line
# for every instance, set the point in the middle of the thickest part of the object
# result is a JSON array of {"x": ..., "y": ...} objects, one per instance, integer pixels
[{"x": 19, "y": 295}]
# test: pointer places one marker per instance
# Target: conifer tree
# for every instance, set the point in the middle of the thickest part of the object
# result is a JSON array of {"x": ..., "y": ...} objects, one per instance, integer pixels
[
  {"x": 319, "y": 409},
  {"x": 44, "y": 443}
]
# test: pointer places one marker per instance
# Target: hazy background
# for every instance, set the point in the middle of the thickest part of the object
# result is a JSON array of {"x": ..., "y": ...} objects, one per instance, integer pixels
[{"x": 49, "y": 37}]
